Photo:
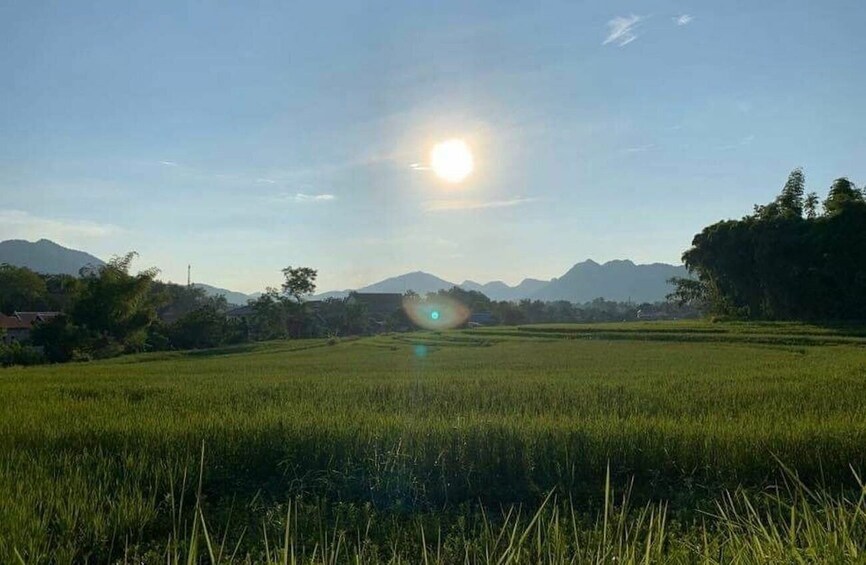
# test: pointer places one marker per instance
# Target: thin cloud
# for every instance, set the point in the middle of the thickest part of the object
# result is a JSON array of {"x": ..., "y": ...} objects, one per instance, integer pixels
[
  {"x": 621, "y": 30},
  {"x": 448, "y": 205},
  {"x": 302, "y": 197},
  {"x": 683, "y": 20},
  {"x": 24, "y": 225},
  {"x": 169, "y": 163},
  {"x": 262, "y": 180},
  {"x": 419, "y": 167},
  {"x": 641, "y": 148}
]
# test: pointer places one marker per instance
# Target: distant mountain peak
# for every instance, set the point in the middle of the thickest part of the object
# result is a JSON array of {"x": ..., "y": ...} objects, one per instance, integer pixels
[
  {"x": 46, "y": 256},
  {"x": 51, "y": 258}
]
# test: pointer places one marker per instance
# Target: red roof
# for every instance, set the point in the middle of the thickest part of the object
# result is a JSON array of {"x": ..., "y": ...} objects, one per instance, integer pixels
[
  {"x": 24, "y": 320},
  {"x": 33, "y": 317},
  {"x": 13, "y": 323}
]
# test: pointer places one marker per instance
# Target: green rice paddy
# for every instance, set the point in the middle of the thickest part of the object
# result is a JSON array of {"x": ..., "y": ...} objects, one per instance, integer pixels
[{"x": 646, "y": 442}]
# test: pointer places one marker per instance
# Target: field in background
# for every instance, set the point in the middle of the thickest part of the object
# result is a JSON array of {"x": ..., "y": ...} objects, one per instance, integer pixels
[{"x": 373, "y": 441}]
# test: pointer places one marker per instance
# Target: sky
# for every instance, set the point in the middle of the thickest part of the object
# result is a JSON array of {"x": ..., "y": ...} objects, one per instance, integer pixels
[{"x": 242, "y": 137}]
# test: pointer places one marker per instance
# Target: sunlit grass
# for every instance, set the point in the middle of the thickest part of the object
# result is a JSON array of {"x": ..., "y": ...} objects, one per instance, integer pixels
[{"x": 375, "y": 440}]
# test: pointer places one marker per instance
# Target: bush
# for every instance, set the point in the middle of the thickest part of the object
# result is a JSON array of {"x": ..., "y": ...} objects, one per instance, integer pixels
[{"x": 17, "y": 354}]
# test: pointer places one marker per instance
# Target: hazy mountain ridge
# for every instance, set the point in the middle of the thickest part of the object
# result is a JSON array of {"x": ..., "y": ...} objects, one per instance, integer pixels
[
  {"x": 619, "y": 280},
  {"x": 45, "y": 256},
  {"x": 232, "y": 296}
]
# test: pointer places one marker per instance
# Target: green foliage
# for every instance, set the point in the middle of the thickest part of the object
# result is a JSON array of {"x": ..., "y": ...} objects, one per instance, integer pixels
[
  {"x": 271, "y": 316},
  {"x": 777, "y": 265},
  {"x": 843, "y": 196},
  {"x": 116, "y": 307},
  {"x": 299, "y": 282},
  {"x": 19, "y": 354},
  {"x": 61, "y": 340},
  {"x": 206, "y": 326},
  {"x": 373, "y": 439},
  {"x": 790, "y": 201},
  {"x": 22, "y": 290}
]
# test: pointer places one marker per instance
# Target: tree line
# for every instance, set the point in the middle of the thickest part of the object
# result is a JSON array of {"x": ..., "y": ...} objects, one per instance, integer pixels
[
  {"x": 795, "y": 258},
  {"x": 111, "y": 310}
]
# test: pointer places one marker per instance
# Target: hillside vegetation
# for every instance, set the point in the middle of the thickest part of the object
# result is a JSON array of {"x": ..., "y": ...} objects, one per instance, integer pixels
[{"x": 376, "y": 440}]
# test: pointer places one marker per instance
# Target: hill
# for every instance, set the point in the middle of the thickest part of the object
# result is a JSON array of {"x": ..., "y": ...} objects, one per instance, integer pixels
[
  {"x": 419, "y": 281},
  {"x": 45, "y": 256},
  {"x": 615, "y": 280},
  {"x": 498, "y": 290},
  {"x": 233, "y": 297}
]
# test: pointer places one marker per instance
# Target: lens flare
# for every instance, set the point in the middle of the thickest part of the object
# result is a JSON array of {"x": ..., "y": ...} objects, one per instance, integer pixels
[{"x": 436, "y": 313}]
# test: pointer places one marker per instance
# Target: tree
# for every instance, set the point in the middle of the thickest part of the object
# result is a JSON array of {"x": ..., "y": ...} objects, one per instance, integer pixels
[
  {"x": 357, "y": 318},
  {"x": 21, "y": 290},
  {"x": 780, "y": 266},
  {"x": 60, "y": 339},
  {"x": 206, "y": 326},
  {"x": 810, "y": 205},
  {"x": 116, "y": 306},
  {"x": 689, "y": 292},
  {"x": 790, "y": 201},
  {"x": 299, "y": 282},
  {"x": 843, "y": 194},
  {"x": 270, "y": 316}
]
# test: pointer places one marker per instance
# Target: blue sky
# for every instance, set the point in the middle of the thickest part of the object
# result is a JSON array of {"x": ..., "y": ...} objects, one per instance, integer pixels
[{"x": 243, "y": 137}]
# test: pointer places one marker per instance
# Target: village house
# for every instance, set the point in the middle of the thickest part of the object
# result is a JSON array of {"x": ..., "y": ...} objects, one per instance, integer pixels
[{"x": 16, "y": 328}]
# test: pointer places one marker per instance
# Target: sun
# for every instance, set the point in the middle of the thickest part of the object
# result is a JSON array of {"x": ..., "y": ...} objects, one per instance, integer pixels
[{"x": 452, "y": 160}]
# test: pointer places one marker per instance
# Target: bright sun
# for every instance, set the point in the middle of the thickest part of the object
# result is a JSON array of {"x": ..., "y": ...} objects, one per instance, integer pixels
[{"x": 452, "y": 160}]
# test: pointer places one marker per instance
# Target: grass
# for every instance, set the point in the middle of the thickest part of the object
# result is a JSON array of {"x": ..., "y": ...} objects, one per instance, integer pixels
[{"x": 439, "y": 447}]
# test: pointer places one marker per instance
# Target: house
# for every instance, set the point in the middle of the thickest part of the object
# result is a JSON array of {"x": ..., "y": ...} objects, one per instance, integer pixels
[
  {"x": 16, "y": 328},
  {"x": 481, "y": 319}
]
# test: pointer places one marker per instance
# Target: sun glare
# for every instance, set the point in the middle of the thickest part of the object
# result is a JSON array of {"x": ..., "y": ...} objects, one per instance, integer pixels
[{"x": 452, "y": 160}]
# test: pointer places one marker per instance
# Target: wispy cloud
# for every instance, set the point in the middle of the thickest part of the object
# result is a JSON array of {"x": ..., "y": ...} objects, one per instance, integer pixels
[
  {"x": 262, "y": 180},
  {"x": 446, "y": 205},
  {"x": 302, "y": 197},
  {"x": 169, "y": 163},
  {"x": 621, "y": 30},
  {"x": 641, "y": 148},
  {"x": 24, "y": 225},
  {"x": 419, "y": 167},
  {"x": 683, "y": 20}
]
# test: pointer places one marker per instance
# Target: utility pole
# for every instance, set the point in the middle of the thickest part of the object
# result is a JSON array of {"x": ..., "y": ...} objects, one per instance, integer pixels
[{"x": 188, "y": 278}]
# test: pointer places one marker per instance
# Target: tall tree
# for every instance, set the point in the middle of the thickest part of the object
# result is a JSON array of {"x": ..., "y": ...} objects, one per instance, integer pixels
[
  {"x": 843, "y": 194},
  {"x": 810, "y": 205},
  {"x": 115, "y": 306},
  {"x": 299, "y": 282},
  {"x": 790, "y": 201},
  {"x": 781, "y": 266}
]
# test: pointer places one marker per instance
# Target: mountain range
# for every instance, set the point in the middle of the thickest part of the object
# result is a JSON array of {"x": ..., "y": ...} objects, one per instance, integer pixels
[
  {"x": 615, "y": 280},
  {"x": 620, "y": 280}
]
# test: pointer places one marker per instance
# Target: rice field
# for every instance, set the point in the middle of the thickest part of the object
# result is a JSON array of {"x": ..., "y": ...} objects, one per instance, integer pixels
[{"x": 685, "y": 442}]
